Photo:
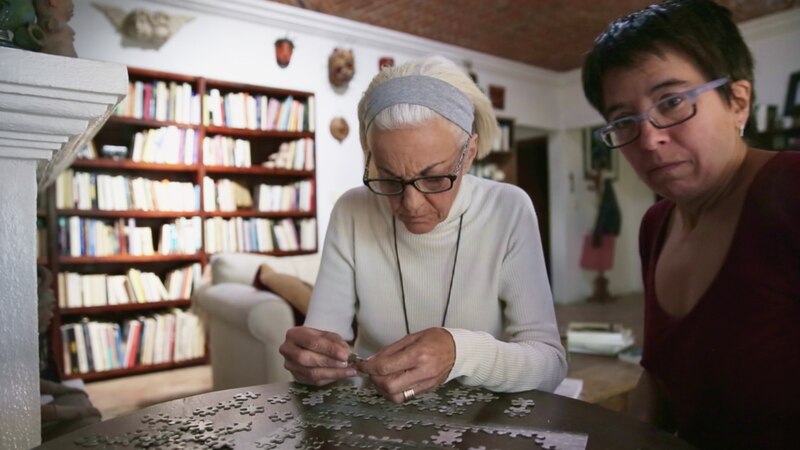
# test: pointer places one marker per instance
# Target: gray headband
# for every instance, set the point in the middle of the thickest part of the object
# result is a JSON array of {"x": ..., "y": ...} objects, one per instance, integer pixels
[{"x": 432, "y": 93}]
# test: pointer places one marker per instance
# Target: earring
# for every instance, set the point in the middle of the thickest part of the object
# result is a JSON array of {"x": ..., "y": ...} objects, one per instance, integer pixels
[{"x": 741, "y": 130}]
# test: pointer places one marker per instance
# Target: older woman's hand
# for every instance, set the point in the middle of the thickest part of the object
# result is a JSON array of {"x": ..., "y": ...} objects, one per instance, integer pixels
[
  {"x": 316, "y": 357},
  {"x": 418, "y": 363}
]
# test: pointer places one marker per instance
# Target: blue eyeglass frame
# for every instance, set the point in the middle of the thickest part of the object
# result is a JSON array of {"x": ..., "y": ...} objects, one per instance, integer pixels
[{"x": 691, "y": 95}]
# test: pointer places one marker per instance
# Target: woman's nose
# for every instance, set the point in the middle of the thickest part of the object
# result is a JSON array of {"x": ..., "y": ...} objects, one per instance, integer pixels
[
  {"x": 650, "y": 136},
  {"x": 411, "y": 198}
]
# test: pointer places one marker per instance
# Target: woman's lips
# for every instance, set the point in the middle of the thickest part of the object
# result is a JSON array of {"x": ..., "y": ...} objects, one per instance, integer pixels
[{"x": 665, "y": 167}]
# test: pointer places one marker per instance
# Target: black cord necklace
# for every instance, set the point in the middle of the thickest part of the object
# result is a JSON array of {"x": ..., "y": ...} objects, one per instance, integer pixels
[{"x": 400, "y": 272}]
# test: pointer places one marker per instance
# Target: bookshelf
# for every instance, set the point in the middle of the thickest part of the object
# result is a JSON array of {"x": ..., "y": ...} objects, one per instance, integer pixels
[
  {"x": 185, "y": 168},
  {"x": 501, "y": 163}
]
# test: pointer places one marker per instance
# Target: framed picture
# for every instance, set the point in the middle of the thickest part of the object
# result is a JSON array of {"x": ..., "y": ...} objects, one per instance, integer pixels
[
  {"x": 598, "y": 158},
  {"x": 792, "y": 107}
]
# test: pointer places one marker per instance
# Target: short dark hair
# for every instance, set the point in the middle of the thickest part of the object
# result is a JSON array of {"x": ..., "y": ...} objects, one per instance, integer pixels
[{"x": 700, "y": 29}]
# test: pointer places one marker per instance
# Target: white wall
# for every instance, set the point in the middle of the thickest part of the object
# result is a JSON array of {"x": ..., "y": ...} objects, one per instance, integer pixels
[{"x": 235, "y": 42}]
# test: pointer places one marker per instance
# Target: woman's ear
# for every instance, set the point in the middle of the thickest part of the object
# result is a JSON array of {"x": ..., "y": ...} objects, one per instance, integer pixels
[
  {"x": 472, "y": 153},
  {"x": 741, "y": 91}
]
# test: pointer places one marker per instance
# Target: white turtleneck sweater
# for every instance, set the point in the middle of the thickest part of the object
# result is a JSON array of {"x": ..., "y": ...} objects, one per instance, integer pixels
[{"x": 501, "y": 312}]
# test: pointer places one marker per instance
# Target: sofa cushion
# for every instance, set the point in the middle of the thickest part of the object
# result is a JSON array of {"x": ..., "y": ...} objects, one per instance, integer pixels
[
  {"x": 242, "y": 267},
  {"x": 232, "y": 302}
]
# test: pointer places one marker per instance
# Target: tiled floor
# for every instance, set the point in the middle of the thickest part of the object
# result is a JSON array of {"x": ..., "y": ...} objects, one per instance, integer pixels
[{"x": 123, "y": 395}]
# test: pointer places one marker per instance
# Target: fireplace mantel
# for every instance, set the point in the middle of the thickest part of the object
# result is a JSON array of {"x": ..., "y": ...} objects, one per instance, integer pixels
[{"x": 51, "y": 105}]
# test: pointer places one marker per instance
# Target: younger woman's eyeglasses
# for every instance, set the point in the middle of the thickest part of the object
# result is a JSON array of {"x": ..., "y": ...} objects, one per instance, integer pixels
[{"x": 665, "y": 113}]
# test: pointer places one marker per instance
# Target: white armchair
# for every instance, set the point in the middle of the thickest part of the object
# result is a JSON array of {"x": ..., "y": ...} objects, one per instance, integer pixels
[{"x": 247, "y": 325}]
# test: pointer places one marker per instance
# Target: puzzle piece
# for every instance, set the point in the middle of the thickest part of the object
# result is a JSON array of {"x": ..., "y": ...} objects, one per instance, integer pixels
[
  {"x": 447, "y": 438},
  {"x": 314, "y": 400},
  {"x": 236, "y": 427},
  {"x": 199, "y": 426},
  {"x": 230, "y": 404},
  {"x": 279, "y": 399},
  {"x": 251, "y": 410},
  {"x": 284, "y": 416},
  {"x": 161, "y": 417},
  {"x": 524, "y": 402},
  {"x": 205, "y": 412},
  {"x": 310, "y": 443},
  {"x": 248, "y": 395},
  {"x": 517, "y": 411},
  {"x": 485, "y": 397}
]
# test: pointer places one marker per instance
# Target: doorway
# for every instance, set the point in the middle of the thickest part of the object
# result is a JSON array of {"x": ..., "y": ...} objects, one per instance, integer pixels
[{"x": 533, "y": 178}]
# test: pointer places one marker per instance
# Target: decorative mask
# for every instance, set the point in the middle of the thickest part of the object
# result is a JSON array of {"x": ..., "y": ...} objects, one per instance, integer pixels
[
  {"x": 341, "y": 67},
  {"x": 339, "y": 128},
  {"x": 283, "y": 52},
  {"x": 384, "y": 62}
]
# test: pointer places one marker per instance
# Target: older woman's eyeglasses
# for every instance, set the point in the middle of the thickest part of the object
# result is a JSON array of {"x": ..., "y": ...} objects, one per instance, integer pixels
[
  {"x": 433, "y": 184},
  {"x": 667, "y": 112}
]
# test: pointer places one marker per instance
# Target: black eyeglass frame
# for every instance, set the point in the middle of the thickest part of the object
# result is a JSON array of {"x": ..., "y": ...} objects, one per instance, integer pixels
[
  {"x": 691, "y": 95},
  {"x": 453, "y": 176}
]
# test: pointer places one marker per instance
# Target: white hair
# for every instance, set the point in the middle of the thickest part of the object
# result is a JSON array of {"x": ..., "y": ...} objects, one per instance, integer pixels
[{"x": 408, "y": 115}]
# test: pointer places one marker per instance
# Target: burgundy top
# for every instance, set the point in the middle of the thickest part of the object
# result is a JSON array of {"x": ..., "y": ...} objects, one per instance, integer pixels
[{"x": 731, "y": 367}]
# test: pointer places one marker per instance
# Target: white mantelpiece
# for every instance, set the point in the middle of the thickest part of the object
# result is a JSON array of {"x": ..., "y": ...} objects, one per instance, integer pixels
[{"x": 49, "y": 107}]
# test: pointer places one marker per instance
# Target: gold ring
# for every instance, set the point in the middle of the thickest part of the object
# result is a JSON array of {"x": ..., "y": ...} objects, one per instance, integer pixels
[{"x": 408, "y": 394}]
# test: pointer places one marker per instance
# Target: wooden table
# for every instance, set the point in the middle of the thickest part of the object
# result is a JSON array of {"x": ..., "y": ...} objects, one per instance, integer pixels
[
  {"x": 351, "y": 415},
  {"x": 606, "y": 379}
]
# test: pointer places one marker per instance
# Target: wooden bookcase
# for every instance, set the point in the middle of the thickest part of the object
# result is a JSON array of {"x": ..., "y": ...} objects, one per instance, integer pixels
[
  {"x": 234, "y": 119},
  {"x": 502, "y": 158}
]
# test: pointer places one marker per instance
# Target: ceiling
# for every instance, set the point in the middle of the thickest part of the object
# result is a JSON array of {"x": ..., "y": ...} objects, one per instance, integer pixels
[{"x": 551, "y": 34}]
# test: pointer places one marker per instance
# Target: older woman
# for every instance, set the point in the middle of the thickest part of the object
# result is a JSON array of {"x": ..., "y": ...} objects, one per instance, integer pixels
[
  {"x": 441, "y": 273},
  {"x": 721, "y": 253}
]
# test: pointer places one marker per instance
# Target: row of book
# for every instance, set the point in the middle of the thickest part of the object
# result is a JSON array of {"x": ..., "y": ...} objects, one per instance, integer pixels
[
  {"x": 228, "y": 195},
  {"x": 90, "y": 346},
  {"x": 161, "y": 100},
  {"x": 165, "y": 145},
  {"x": 258, "y": 112},
  {"x": 225, "y": 195},
  {"x": 81, "y": 236},
  {"x": 289, "y": 197},
  {"x": 226, "y": 151},
  {"x": 259, "y": 235},
  {"x": 294, "y": 155},
  {"x": 77, "y": 290},
  {"x": 88, "y": 190},
  {"x": 502, "y": 141}
]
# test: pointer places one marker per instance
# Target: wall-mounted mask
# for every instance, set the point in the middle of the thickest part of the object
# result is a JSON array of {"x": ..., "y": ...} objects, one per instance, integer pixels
[
  {"x": 341, "y": 67},
  {"x": 283, "y": 52},
  {"x": 339, "y": 128},
  {"x": 384, "y": 62}
]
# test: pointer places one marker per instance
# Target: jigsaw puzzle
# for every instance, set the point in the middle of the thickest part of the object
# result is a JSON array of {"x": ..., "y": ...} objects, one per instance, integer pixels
[{"x": 346, "y": 416}]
